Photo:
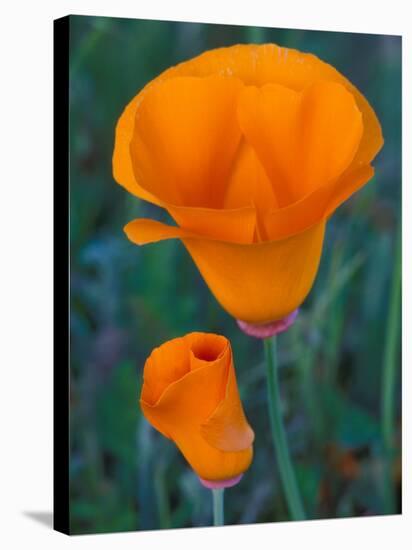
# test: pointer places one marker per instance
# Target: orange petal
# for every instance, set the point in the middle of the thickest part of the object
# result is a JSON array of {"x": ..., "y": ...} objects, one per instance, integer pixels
[
  {"x": 185, "y": 138},
  {"x": 209, "y": 462},
  {"x": 235, "y": 225},
  {"x": 227, "y": 428},
  {"x": 172, "y": 387},
  {"x": 261, "y": 282},
  {"x": 253, "y": 65},
  {"x": 332, "y": 127},
  {"x": 258, "y": 65},
  {"x": 319, "y": 205},
  {"x": 166, "y": 364},
  {"x": 144, "y": 231},
  {"x": 256, "y": 283},
  {"x": 227, "y": 225},
  {"x": 123, "y": 171},
  {"x": 303, "y": 139},
  {"x": 249, "y": 185}
]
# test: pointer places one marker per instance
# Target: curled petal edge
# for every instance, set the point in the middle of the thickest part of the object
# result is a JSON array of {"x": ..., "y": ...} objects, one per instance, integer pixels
[{"x": 227, "y": 428}]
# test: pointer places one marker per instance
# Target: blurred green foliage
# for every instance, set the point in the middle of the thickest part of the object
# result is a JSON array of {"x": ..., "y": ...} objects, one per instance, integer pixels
[{"x": 125, "y": 300}]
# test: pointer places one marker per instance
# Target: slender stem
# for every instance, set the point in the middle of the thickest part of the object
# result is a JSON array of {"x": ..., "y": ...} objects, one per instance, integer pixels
[
  {"x": 256, "y": 35},
  {"x": 218, "y": 506},
  {"x": 389, "y": 374},
  {"x": 287, "y": 474}
]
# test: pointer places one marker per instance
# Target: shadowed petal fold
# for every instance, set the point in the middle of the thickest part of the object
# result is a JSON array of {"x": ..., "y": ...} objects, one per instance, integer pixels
[
  {"x": 303, "y": 139},
  {"x": 185, "y": 138}
]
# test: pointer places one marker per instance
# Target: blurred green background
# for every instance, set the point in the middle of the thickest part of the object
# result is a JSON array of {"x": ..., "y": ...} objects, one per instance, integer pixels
[{"x": 337, "y": 363}]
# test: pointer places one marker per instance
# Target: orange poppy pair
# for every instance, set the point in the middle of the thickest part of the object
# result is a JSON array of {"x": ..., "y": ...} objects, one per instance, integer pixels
[{"x": 250, "y": 149}]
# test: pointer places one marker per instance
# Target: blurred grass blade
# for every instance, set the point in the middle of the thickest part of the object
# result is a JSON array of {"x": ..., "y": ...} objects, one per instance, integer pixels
[
  {"x": 389, "y": 375},
  {"x": 322, "y": 320},
  {"x": 162, "y": 497},
  {"x": 146, "y": 490},
  {"x": 340, "y": 279}
]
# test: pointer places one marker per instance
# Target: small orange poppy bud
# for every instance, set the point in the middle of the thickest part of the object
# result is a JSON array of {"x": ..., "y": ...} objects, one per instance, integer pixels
[
  {"x": 190, "y": 395},
  {"x": 250, "y": 149}
]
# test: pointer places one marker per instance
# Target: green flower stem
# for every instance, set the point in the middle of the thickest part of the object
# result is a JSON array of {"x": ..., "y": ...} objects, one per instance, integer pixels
[
  {"x": 218, "y": 507},
  {"x": 389, "y": 375},
  {"x": 287, "y": 474},
  {"x": 256, "y": 35}
]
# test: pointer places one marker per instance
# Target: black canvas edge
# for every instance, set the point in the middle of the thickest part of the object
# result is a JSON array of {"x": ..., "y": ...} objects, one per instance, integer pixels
[{"x": 61, "y": 351}]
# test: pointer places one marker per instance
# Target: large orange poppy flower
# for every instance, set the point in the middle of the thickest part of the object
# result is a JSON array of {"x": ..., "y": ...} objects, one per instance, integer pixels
[
  {"x": 190, "y": 395},
  {"x": 250, "y": 149}
]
